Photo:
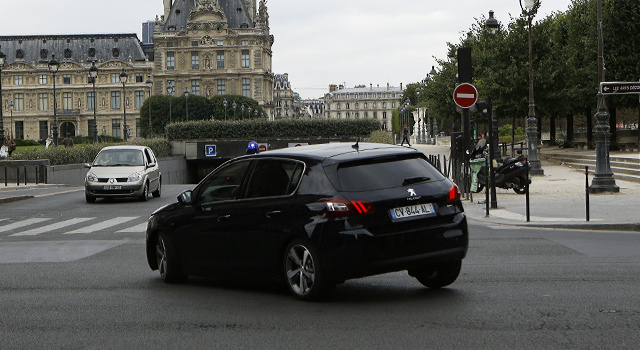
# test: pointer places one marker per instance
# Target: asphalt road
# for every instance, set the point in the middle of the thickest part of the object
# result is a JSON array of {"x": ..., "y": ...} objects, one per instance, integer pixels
[{"x": 78, "y": 279}]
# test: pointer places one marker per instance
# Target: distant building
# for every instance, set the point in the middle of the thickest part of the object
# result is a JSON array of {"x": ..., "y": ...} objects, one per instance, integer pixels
[
  {"x": 215, "y": 47},
  {"x": 210, "y": 47},
  {"x": 313, "y": 108},
  {"x": 27, "y": 83},
  {"x": 283, "y": 98},
  {"x": 362, "y": 102}
]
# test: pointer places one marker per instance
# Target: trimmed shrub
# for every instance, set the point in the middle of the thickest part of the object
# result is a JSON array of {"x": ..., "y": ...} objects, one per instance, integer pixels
[
  {"x": 380, "y": 136},
  {"x": 286, "y": 128},
  {"x": 85, "y": 153}
]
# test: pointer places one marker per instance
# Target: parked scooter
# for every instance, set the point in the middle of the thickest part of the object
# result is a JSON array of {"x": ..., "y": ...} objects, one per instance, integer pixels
[{"x": 512, "y": 174}]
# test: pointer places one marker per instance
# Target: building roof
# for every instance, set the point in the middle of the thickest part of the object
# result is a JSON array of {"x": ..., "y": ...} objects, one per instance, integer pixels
[
  {"x": 366, "y": 89},
  {"x": 32, "y": 49},
  {"x": 235, "y": 11}
]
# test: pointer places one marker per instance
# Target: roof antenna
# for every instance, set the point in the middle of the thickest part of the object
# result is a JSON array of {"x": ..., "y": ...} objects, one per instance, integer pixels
[{"x": 356, "y": 146}]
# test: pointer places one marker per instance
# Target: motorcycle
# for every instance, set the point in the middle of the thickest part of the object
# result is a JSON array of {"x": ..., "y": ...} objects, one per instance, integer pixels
[{"x": 511, "y": 174}]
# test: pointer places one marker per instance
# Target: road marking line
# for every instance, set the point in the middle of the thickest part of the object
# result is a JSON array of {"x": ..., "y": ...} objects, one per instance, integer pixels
[
  {"x": 103, "y": 225},
  {"x": 136, "y": 229},
  {"x": 57, "y": 225},
  {"x": 22, "y": 223}
]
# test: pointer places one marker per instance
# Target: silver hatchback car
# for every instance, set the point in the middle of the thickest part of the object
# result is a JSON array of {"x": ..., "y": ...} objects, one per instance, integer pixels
[{"x": 123, "y": 171}]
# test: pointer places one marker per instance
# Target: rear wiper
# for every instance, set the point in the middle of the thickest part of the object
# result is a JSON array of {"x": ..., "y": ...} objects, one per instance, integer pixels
[{"x": 413, "y": 180}]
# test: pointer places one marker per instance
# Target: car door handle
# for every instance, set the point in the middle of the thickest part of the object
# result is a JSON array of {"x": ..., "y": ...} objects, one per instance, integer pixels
[
  {"x": 271, "y": 214},
  {"x": 223, "y": 218}
]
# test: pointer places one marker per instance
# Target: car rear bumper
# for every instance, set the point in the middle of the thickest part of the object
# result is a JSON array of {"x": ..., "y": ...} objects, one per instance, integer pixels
[{"x": 356, "y": 253}]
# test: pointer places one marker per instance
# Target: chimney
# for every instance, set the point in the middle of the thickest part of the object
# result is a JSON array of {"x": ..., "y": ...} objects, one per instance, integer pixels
[
  {"x": 370, "y": 87},
  {"x": 400, "y": 86},
  {"x": 167, "y": 8}
]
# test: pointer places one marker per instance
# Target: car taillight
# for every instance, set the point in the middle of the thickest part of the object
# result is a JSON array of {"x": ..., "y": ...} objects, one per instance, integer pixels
[
  {"x": 454, "y": 193},
  {"x": 340, "y": 207}
]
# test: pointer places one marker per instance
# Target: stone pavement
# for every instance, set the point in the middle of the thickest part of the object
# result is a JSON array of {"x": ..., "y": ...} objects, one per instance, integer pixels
[{"x": 557, "y": 199}]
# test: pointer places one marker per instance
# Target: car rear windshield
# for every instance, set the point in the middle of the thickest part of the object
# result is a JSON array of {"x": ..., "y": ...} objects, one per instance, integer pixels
[{"x": 388, "y": 172}]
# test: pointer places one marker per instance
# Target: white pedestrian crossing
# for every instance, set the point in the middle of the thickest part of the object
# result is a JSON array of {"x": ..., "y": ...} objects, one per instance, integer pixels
[
  {"x": 103, "y": 225},
  {"x": 135, "y": 229},
  {"x": 21, "y": 228},
  {"x": 47, "y": 228},
  {"x": 22, "y": 223}
]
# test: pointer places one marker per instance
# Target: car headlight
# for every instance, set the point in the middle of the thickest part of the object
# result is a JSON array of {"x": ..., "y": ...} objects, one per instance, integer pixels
[
  {"x": 92, "y": 177},
  {"x": 137, "y": 176}
]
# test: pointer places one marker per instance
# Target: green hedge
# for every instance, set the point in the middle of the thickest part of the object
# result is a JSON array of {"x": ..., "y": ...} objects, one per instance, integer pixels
[
  {"x": 85, "y": 153},
  {"x": 286, "y": 128},
  {"x": 380, "y": 136}
]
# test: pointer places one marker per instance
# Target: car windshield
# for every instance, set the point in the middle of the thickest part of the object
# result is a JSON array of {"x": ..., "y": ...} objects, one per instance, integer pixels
[
  {"x": 126, "y": 157},
  {"x": 375, "y": 174}
]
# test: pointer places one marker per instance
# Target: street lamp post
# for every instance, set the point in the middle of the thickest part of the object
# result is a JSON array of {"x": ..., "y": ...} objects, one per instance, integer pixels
[
  {"x": 149, "y": 83},
  {"x": 225, "y": 103},
  {"x": 54, "y": 65},
  {"x": 234, "y": 106},
  {"x": 93, "y": 74},
  {"x": 11, "y": 120},
  {"x": 242, "y": 108},
  {"x": 3, "y": 58},
  {"x": 603, "y": 180},
  {"x": 123, "y": 78},
  {"x": 170, "y": 91},
  {"x": 186, "y": 102},
  {"x": 529, "y": 10}
]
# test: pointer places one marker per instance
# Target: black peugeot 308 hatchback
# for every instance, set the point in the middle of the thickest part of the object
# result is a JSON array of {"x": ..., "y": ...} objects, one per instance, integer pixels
[{"x": 315, "y": 216}]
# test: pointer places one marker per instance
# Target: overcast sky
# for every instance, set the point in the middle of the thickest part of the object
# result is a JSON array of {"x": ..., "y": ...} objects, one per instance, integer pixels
[{"x": 318, "y": 42}]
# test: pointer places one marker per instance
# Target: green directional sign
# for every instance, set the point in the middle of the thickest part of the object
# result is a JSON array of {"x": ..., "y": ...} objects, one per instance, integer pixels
[{"x": 618, "y": 88}]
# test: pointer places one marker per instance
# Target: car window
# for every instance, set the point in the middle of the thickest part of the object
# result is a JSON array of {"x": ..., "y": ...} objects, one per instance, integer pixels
[
  {"x": 222, "y": 185},
  {"x": 274, "y": 177},
  {"x": 375, "y": 174},
  {"x": 119, "y": 157}
]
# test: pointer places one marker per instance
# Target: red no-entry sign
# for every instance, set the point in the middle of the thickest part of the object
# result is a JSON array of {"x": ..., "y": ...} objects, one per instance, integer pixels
[{"x": 465, "y": 95}]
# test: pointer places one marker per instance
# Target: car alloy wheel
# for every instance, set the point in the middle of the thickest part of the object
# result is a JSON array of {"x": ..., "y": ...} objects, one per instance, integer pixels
[
  {"x": 145, "y": 193},
  {"x": 303, "y": 273},
  {"x": 168, "y": 261}
]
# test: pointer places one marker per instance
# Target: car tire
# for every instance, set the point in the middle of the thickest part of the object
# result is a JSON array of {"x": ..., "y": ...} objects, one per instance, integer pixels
[
  {"x": 158, "y": 191},
  {"x": 145, "y": 193},
  {"x": 168, "y": 260},
  {"x": 89, "y": 198},
  {"x": 303, "y": 273},
  {"x": 439, "y": 275}
]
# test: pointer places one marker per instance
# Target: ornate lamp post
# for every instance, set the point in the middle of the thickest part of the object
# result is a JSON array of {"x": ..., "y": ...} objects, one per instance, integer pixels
[
  {"x": 603, "y": 180},
  {"x": 249, "y": 112},
  {"x": 186, "y": 102},
  {"x": 170, "y": 91},
  {"x": 54, "y": 65},
  {"x": 242, "y": 108},
  {"x": 529, "y": 10},
  {"x": 234, "y": 106},
  {"x": 225, "y": 103},
  {"x": 149, "y": 83},
  {"x": 3, "y": 58},
  {"x": 123, "y": 78},
  {"x": 93, "y": 74},
  {"x": 420, "y": 120}
]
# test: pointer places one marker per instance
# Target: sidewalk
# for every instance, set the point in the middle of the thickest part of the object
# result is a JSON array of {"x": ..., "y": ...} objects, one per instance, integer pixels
[{"x": 557, "y": 199}]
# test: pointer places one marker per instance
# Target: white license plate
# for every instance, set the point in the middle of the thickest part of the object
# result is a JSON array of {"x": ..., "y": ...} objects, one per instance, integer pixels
[
  {"x": 111, "y": 187},
  {"x": 412, "y": 211}
]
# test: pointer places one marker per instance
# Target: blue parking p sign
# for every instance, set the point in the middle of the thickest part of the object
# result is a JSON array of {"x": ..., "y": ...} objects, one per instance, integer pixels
[{"x": 210, "y": 150}]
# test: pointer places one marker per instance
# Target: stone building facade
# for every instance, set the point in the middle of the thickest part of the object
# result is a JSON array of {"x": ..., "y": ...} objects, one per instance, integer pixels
[
  {"x": 214, "y": 47},
  {"x": 207, "y": 47},
  {"x": 27, "y": 84},
  {"x": 362, "y": 102}
]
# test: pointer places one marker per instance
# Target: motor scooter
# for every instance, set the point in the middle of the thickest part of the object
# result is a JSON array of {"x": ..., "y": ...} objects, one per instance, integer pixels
[{"x": 511, "y": 174}]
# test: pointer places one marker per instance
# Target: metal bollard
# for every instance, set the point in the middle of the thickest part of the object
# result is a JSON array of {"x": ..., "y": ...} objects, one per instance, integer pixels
[
  {"x": 18, "y": 176},
  {"x": 586, "y": 189},
  {"x": 36, "y": 175},
  {"x": 6, "y": 177},
  {"x": 25, "y": 175}
]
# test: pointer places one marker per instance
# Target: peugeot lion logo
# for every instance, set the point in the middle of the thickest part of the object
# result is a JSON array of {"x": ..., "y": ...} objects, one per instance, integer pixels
[{"x": 412, "y": 193}]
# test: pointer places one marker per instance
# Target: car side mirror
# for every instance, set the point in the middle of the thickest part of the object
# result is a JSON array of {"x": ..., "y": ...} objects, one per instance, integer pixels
[
  {"x": 87, "y": 165},
  {"x": 185, "y": 197},
  {"x": 151, "y": 165}
]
